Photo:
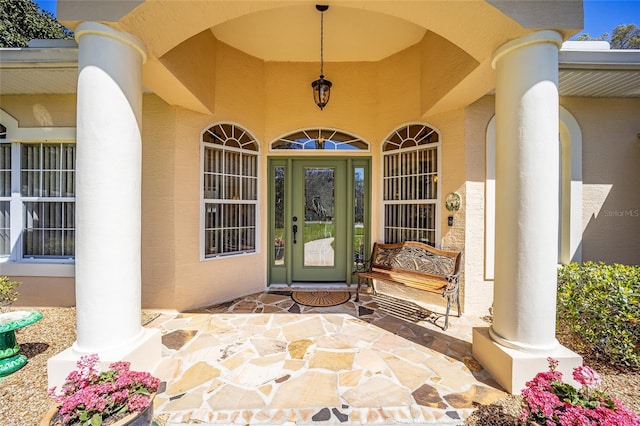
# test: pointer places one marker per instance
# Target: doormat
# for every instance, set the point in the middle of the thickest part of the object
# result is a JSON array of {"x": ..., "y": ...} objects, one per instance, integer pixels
[{"x": 320, "y": 298}]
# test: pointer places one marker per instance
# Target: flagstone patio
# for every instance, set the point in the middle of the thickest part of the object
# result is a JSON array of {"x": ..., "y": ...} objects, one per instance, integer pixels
[{"x": 264, "y": 359}]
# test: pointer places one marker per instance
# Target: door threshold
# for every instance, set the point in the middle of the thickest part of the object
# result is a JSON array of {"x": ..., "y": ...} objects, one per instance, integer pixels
[{"x": 311, "y": 286}]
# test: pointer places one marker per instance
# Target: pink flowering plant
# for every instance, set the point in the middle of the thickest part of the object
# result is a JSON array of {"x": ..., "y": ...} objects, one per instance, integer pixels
[
  {"x": 549, "y": 401},
  {"x": 89, "y": 396}
]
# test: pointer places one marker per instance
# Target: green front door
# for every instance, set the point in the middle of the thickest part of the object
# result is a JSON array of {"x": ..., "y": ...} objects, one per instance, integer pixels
[
  {"x": 314, "y": 220},
  {"x": 318, "y": 221}
]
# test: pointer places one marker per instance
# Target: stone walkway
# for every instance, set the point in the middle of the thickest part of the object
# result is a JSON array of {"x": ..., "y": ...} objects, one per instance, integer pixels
[{"x": 265, "y": 359}]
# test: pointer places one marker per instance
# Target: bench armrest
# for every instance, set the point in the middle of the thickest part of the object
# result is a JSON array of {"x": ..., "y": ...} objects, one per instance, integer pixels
[
  {"x": 453, "y": 281},
  {"x": 363, "y": 266}
]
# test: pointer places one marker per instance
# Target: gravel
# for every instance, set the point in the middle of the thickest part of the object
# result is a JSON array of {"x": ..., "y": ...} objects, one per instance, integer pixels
[
  {"x": 23, "y": 394},
  {"x": 24, "y": 400}
]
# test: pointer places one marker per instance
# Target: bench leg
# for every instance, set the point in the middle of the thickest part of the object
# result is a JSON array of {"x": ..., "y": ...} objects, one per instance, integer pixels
[
  {"x": 446, "y": 315},
  {"x": 358, "y": 291}
]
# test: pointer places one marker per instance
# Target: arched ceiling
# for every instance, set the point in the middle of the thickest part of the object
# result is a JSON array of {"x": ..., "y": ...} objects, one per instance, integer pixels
[
  {"x": 355, "y": 30},
  {"x": 350, "y": 35},
  {"x": 289, "y": 30}
]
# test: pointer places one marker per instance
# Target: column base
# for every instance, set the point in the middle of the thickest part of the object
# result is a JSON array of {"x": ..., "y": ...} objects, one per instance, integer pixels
[
  {"x": 144, "y": 354},
  {"x": 512, "y": 368}
]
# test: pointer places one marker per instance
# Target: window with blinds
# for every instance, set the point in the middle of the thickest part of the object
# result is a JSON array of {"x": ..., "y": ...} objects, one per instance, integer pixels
[
  {"x": 47, "y": 191},
  {"x": 410, "y": 184},
  {"x": 229, "y": 190},
  {"x": 5, "y": 193}
]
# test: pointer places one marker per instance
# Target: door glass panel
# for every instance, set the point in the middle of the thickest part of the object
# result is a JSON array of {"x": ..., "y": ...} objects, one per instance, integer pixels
[
  {"x": 319, "y": 217},
  {"x": 278, "y": 231},
  {"x": 358, "y": 215}
]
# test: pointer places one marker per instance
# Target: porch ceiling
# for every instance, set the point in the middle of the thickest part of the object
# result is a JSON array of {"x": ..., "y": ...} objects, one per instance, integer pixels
[{"x": 350, "y": 35}]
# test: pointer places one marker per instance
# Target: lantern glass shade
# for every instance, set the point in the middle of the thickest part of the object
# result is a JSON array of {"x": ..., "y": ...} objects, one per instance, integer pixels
[{"x": 321, "y": 91}]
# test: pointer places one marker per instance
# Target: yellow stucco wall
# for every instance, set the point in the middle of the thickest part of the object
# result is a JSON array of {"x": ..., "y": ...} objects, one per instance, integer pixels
[
  {"x": 610, "y": 201},
  {"x": 610, "y": 158},
  {"x": 370, "y": 100},
  {"x": 159, "y": 234},
  {"x": 41, "y": 110},
  {"x": 173, "y": 274},
  {"x": 478, "y": 290}
]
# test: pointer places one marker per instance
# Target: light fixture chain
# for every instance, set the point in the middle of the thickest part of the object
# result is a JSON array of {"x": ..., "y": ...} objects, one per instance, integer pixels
[
  {"x": 321, "y": 87},
  {"x": 321, "y": 44}
]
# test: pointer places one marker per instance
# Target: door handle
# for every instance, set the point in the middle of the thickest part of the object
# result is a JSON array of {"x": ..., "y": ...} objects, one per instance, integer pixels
[{"x": 295, "y": 231}]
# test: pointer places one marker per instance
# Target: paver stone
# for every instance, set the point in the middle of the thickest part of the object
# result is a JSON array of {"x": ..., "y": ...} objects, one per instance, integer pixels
[{"x": 197, "y": 374}]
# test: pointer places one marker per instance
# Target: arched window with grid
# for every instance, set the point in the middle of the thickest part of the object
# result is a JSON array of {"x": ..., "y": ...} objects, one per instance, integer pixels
[
  {"x": 410, "y": 184},
  {"x": 229, "y": 190}
]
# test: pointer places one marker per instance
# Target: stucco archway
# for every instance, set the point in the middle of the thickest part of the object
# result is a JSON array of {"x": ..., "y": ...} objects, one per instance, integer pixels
[{"x": 570, "y": 226}]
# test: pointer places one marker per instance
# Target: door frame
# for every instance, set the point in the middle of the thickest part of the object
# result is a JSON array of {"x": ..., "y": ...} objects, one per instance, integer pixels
[{"x": 282, "y": 274}]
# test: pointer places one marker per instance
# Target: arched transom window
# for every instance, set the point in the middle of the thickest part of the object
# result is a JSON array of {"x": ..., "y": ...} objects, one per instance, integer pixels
[
  {"x": 229, "y": 190},
  {"x": 411, "y": 173},
  {"x": 320, "y": 139}
]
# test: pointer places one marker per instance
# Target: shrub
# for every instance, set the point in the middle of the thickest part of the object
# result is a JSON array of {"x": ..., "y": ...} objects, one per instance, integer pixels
[
  {"x": 8, "y": 293},
  {"x": 600, "y": 304}
]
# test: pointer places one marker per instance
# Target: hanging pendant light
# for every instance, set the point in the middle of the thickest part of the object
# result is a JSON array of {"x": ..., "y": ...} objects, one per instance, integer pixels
[{"x": 321, "y": 87}]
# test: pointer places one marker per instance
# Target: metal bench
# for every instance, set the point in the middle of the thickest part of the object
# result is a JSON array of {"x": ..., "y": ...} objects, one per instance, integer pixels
[{"x": 415, "y": 265}]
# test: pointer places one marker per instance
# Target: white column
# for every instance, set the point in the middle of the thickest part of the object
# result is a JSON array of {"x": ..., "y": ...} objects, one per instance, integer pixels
[
  {"x": 526, "y": 190},
  {"x": 108, "y": 197},
  {"x": 108, "y": 187}
]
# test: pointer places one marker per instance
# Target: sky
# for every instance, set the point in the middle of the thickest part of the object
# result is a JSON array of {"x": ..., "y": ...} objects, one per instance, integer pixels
[{"x": 600, "y": 16}]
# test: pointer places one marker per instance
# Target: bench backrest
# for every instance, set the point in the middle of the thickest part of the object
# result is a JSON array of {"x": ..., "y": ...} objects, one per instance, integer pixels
[{"x": 415, "y": 257}]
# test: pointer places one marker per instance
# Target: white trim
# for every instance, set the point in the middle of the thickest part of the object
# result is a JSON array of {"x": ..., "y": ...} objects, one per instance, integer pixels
[
  {"x": 570, "y": 133},
  {"x": 490, "y": 201},
  {"x": 95, "y": 28},
  {"x": 544, "y": 36},
  {"x": 15, "y": 264},
  {"x": 599, "y": 59},
  {"x": 203, "y": 201},
  {"x": 38, "y": 269}
]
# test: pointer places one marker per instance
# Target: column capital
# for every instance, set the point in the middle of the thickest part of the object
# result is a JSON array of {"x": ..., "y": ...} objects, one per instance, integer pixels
[
  {"x": 95, "y": 28},
  {"x": 546, "y": 36}
]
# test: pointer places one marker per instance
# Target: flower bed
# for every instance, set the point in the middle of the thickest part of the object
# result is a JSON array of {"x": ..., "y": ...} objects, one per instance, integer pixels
[
  {"x": 551, "y": 402},
  {"x": 89, "y": 397}
]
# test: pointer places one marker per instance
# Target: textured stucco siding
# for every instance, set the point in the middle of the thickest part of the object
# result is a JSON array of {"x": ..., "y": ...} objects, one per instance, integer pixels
[{"x": 610, "y": 158}]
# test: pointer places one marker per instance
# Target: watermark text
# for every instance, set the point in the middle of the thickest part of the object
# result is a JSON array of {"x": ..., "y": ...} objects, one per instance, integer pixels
[{"x": 622, "y": 213}]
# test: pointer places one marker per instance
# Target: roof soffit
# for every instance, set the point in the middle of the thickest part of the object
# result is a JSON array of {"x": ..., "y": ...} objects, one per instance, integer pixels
[
  {"x": 72, "y": 12},
  {"x": 566, "y": 16}
]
